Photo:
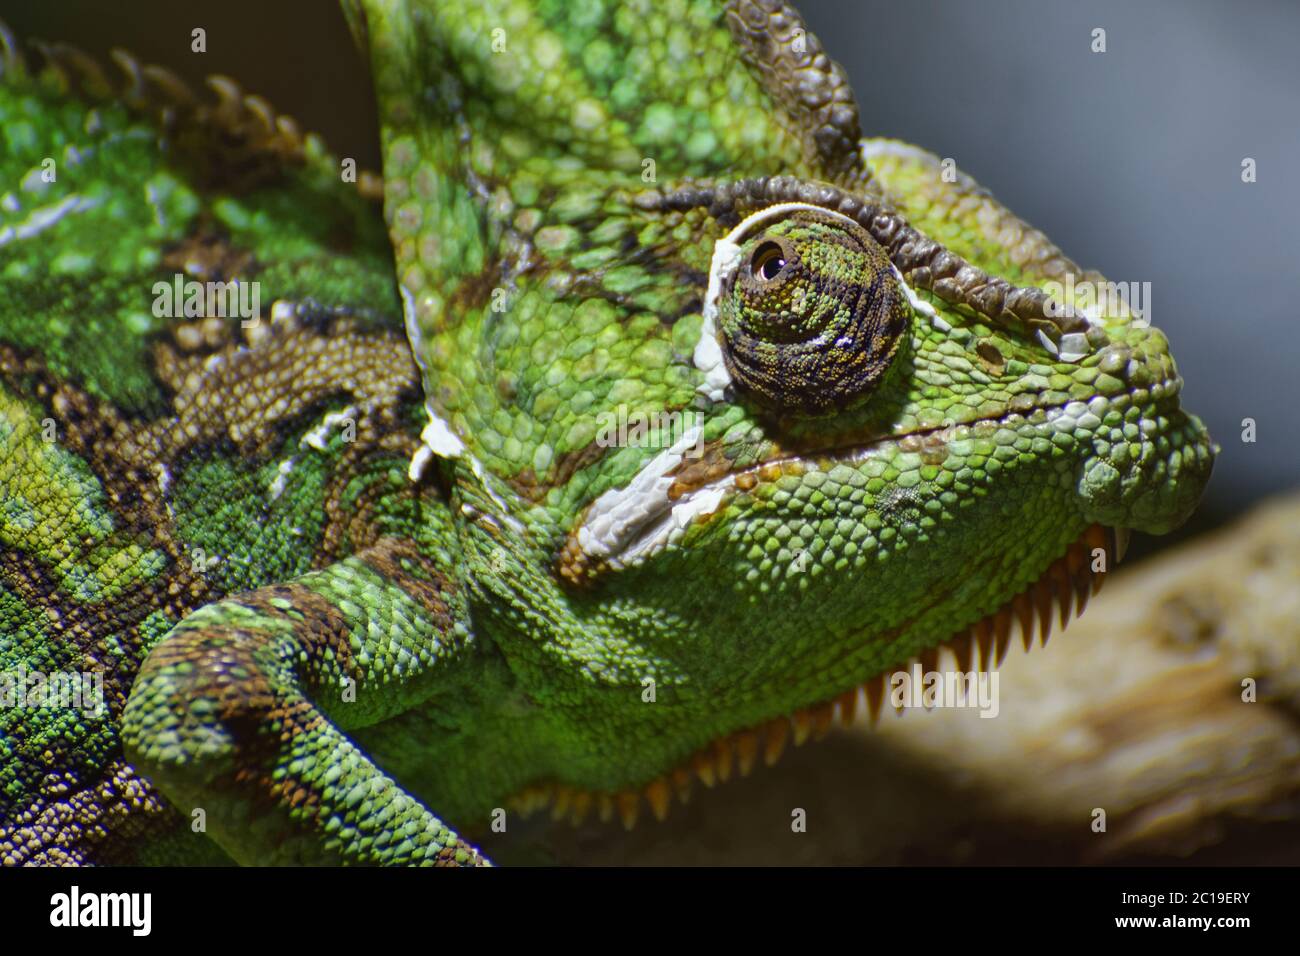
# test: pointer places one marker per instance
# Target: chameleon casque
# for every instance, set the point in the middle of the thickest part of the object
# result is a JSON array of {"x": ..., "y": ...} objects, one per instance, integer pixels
[{"x": 361, "y": 571}]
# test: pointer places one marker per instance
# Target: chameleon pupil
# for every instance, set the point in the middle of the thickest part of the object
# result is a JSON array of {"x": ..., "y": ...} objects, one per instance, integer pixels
[{"x": 768, "y": 262}]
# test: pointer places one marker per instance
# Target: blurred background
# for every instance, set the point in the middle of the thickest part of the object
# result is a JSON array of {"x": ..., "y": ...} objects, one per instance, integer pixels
[{"x": 1131, "y": 161}]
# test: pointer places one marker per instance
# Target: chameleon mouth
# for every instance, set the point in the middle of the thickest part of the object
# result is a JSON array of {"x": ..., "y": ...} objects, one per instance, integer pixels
[
  {"x": 626, "y": 526},
  {"x": 1062, "y": 590}
]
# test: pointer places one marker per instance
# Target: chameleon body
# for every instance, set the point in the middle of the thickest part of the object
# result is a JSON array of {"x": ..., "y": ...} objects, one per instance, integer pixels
[{"x": 376, "y": 568}]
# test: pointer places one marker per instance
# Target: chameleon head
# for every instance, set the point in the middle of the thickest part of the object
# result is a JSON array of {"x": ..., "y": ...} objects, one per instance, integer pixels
[
  {"x": 808, "y": 313},
  {"x": 874, "y": 471},
  {"x": 742, "y": 427}
]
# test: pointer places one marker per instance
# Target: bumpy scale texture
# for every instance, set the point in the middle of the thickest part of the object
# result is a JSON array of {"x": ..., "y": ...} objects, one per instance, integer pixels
[{"x": 364, "y": 571}]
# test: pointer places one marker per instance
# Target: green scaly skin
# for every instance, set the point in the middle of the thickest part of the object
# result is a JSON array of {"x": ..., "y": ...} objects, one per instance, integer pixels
[{"x": 360, "y": 573}]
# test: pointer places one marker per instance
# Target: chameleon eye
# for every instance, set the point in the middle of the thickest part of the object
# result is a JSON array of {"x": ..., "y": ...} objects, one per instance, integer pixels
[{"x": 813, "y": 314}]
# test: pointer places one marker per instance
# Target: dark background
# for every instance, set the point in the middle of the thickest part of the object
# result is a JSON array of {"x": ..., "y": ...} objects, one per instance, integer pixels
[{"x": 1129, "y": 159}]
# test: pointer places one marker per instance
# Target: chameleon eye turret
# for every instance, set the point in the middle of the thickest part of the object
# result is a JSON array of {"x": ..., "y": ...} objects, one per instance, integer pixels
[{"x": 810, "y": 311}]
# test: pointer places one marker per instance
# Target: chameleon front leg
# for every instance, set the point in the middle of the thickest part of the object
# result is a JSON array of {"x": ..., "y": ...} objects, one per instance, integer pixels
[{"x": 241, "y": 710}]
